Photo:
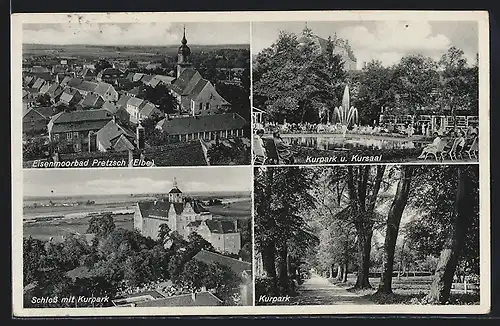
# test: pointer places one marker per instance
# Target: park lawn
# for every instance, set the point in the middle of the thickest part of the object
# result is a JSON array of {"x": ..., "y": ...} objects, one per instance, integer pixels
[{"x": 411, "y": 290}]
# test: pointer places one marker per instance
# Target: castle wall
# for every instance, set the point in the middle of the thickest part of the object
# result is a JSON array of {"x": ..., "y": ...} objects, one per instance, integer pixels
[{"x": 151, "y": 226}]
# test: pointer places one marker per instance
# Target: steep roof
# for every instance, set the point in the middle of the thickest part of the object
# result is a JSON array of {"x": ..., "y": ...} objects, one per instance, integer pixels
[
  {"x": 135, "y": 101},
  {"x": 221, "y": 226},
  {"x": 53, "y": 88},
  {"x": 110, "y": 71},
  {"x": 110, "y": 106},
  {"x": 146, "y": 79},
  {"x": 237, "y": 266},
  {"x": 112, "y": 131},
  {"x": 137, "y": 76},
  {"x": 91, "y": 100},
  {"x": 130, "y": 76},
  {"x": 122, "y": 101},
  {"x": 159, "y": 208},
  {"x": 66, "y": 80},
  {"x": 45, "y": 112},
  {"x": 185, "y": 300},
  {"x": 122, "y": 143},
  {"x": 147, "y": 108},
  {"x": 214, "y": 122},
  {"x": 86, "y": 86},
  {"x": 73, "y": 82},
  {"x": 102, "y": 88},
  {"x": 186, "y": 81},
  {"x": 38, "y": 83},
  {"x": 200, "y": 85},
  {"x": 88, "y": 115},
  {"x": 198, "y": 207}
]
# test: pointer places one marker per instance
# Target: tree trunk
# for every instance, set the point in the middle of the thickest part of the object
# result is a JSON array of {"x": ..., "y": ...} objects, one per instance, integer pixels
[
  {"x": 340, "y": 272},
  {"x": 450, "y": 254},
  {"x": 393, "y": 221},
  {"x": 364, "y": 248},
  {"x": 283, "y": 279},
  {"x": 344, "y": 274},
  {"x": 269, "y": 266}
]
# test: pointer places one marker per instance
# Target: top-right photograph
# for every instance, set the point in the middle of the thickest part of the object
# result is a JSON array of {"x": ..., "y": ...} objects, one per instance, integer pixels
[{"x": 365, "y": 91}]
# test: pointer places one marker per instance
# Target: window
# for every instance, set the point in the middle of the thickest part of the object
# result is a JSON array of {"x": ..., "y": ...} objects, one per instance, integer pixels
[
  {"x": 68, "y": 136},
  {"x": 207, "y": 106},
  {"x": 75, "y": 135},
  {"x": 201, "y": 106}
]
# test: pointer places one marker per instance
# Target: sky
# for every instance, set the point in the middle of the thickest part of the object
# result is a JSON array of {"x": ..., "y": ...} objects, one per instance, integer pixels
[
  {"x": 64, "y": 182},
  {"x": 154, "y": 34},
  {"x": 386, "y": 41}
]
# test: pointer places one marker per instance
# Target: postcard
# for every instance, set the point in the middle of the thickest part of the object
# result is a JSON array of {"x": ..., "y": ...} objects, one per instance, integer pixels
[{"x": 250, "y": 163}]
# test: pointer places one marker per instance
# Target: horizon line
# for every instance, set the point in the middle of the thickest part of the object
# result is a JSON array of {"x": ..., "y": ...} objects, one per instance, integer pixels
[{"x": 191, "y": 44}]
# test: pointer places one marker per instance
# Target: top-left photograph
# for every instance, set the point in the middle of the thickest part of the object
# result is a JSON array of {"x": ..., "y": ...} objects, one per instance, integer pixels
[{"x": 135, "y": 94}]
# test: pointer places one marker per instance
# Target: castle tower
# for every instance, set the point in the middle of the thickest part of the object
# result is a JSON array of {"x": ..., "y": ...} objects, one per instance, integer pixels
[
  {"x": 183, "y": 55},
  {"x": 175, "y": 195}
]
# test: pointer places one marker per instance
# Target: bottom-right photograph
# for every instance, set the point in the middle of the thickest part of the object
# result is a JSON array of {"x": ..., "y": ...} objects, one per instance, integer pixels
[{"x": 367, "y": 235}]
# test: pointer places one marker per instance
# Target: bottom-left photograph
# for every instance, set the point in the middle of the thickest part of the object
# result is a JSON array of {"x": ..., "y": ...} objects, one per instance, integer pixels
[{"x": 149, "y": 237}]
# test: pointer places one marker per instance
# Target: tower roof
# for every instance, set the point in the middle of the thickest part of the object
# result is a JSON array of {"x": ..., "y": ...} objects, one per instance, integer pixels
[
  {"x": 175, "y": 189},
  {"x": 184, "y": 49}
]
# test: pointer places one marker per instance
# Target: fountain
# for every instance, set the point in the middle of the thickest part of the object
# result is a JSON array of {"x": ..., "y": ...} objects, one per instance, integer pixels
[{"x": 346, "y": 114}]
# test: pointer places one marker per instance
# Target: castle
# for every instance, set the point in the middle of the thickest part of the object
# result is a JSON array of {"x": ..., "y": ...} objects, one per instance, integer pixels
[
  {"x": 186, "y": 215},
  {"x": 340, "y": 47}
]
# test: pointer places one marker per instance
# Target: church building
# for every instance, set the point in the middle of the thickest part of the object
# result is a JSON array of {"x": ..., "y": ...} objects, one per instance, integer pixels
[{"x": 196, "y": 95}]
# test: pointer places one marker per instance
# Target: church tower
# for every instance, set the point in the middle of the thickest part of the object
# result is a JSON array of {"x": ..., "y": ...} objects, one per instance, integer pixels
[
  {"x": 183, "y": 55},
  {"x": 175, "y": 195}
]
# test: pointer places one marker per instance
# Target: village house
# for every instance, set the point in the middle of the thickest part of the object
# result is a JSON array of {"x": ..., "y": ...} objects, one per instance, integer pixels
[
  {"x": 107, "y": 92},
  {"x": 39, "y": 82},
  {"x": 88, "y": 74},
  {"x": 175, "y": 210},
  {"x": 205, "y": 127},
  {"x": 109, "y": 75},
  {"x": 70, "y": 97},
  {"x": 91, "y": 101},
  {"x": 115, "y": 137},
  {"x": 45, "y": 88},
  {"x": 35, "y": 120},
  {"x": 222, "y": 234},
  {"x": 55, "y": 91},
  {"x": 123, "y": 100},
  {"x": 85, "y": 87},
  {"x": 70, "y": 130}
]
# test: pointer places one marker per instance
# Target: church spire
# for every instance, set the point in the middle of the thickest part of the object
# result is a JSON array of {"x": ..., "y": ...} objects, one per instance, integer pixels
[
  {"x": 184, "y": 40},
  {"x": 175, "y": 183}
]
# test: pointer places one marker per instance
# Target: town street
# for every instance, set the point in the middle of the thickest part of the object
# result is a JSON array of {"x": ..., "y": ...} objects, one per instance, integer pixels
[{"x": 319, "y": 291}]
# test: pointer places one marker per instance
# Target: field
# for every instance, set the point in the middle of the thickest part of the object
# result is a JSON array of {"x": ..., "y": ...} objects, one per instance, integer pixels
[
  {"x": 57, "y": 228},
  {"x": 411, "y": 290},
  {"x": 238, "y": 209},
  {"x": 115, "y": 52}
]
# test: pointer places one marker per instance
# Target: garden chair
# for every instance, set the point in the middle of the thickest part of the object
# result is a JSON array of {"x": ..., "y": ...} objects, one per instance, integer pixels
[
  {"x": 473, "y": 149},
  {"x": 452, "y": 153},
  {"x": 434, "y": 150}
]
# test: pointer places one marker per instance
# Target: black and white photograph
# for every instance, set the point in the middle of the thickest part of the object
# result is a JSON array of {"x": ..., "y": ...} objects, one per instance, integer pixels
[
  {"x": 174, "y": 237},
  {"x": 135, "y": 94},
  {"x": 365, "y": 91},
  {"x": 367, "y": 235}
]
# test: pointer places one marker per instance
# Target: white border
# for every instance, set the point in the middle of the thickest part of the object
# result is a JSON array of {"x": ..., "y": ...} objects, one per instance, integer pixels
[{"x": 17, "y": 21}]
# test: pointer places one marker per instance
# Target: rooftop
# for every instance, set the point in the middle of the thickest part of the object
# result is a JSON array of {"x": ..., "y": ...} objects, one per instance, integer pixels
[
  {"x": 237, "y": 266},
  {"x": 214, "y": 122}
]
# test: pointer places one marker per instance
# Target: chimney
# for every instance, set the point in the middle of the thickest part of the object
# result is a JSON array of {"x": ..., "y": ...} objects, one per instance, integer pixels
[
  {"x": 193, "y": 295},
  {"x": 140, "y": 136},
  {"x": 114, "y": 118},
  {"x": 234, "y": 115},
  {"x": 235, "y": 225}
]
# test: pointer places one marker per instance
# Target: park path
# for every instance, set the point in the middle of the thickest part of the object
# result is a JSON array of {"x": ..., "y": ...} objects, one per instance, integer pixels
[{"x": 318, "y": 290}]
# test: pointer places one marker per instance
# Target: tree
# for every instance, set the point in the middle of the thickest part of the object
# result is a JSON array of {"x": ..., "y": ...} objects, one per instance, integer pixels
[
  {"x": 393, "y": 221},
  {"x": 458, "y": 82},
  {"x": 102, "y": 64},
  {"x": 376, "y": 91},
  {"x": 295, "y": 81},
  {"x": 363, "y": 188},
  {"x": 102, "y": 226},
  {"x": 163, "y": 233},
  {"x": 416, "y": 82},
  {"x": 195, "y": 274},
  {"x": 463, "y": 213},
  {"x": 133, "y": 64},
  {"x": 33, "y": 251},
  {"x": 280, "y": 228},
  {"x": 44, "y": 100}
]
